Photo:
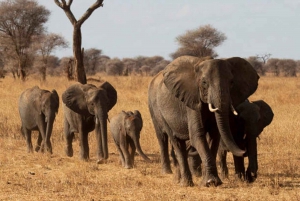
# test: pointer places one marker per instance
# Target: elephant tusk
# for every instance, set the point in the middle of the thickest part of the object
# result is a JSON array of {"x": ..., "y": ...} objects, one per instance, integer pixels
[
  {"x": 211, "y": 108},
  {"x": 97, "y": 121},
  {"x": 233, "y": 110}
]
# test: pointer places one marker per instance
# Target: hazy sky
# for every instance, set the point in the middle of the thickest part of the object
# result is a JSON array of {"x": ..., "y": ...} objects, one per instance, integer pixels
[{"x": 130, "y": 28}]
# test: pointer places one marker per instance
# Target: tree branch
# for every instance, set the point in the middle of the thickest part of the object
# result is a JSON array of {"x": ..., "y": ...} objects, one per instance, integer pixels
[
  {"x": 66, "y": 7},
  {"x": 89, "y": 11}
]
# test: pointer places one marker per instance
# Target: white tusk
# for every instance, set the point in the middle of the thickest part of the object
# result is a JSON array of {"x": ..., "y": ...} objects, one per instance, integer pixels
[
  {"x": 233, "y": 110},
  {"x": 97, "y": 120},
  {"x": 212, "y": 109}
]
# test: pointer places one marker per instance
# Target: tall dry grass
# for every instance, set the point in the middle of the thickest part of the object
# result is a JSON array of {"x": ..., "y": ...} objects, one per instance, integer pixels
[{"x": 39, "y": 176}]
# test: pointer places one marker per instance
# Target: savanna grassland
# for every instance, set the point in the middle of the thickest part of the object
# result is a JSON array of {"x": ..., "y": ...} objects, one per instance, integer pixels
[{"x": 40, "y": 176}]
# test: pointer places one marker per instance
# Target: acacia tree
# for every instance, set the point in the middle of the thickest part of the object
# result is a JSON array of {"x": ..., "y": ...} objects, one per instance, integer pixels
[
  {"x": 77, "y": 38},
  {"x": 45, "y": 45},
  {"x": 257, "y": 64},
  {"x": 20, "y": 20},
  {"x": 199, "y": 42},
  {"x": 91, "y": 60}
]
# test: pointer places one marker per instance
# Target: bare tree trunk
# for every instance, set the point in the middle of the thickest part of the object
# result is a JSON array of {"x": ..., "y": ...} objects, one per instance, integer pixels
[
  {"x": 80, "y": 75},
  {"x": 43, "y": 70},
  {"x": 21, "y": 70}
]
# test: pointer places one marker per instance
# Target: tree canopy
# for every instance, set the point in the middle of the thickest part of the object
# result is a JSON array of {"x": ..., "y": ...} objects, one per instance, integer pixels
[
  {"x": 199, "y": 42},
  {"x": 20, "y": 21}
]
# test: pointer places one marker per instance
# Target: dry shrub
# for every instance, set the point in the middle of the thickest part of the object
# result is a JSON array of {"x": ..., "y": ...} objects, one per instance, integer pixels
[{"x": 40, "y": 176}]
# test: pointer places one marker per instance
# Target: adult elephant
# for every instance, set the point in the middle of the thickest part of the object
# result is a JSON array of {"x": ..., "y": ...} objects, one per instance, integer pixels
[
  {"x": 252, "y": 119},
  {"x": 37, "y": 109},
  {"x": 125, "y": 128},
  {"x": 86, "y": 108},
  {"x": 182, "y": 98}
]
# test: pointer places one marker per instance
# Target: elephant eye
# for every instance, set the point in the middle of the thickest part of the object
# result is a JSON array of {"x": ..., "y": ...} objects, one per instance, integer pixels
[
  {"x": 204, "y": 83},
  {"x": 231, "y": 84}
]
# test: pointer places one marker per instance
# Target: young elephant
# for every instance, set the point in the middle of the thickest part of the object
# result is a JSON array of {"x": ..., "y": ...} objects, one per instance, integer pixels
[
  {"x": 38, "y": 108},
  {"x": 252, "y": 119},
  {"x": 125, "y": 128},
  {"x": 86, "y": 108}
]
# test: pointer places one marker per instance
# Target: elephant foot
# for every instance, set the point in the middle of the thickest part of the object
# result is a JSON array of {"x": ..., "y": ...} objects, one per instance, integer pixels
[
  {"x": 186, "y": 182},
  {"x": 29, "y": 150},
  {"x": 211, "y": 180},
  {"x": 250, "y": 177},
  {"x": 69, "y": 151},
  {"x": 166, "y": 170},
  {"x": 128, "y": 166},
  {"x": 37, "y": 148},
  {"x": 177, "y": 176},
  {"x": 101, "y": 161},
  {"x": 240, "y": 176},
  {"x": 49, "y": 148}
]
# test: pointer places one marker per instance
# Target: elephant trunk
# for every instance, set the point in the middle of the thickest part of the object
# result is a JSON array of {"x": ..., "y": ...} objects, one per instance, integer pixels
[
  {"x": 50, "y": 121},
  {"x": 101, "y": 133},
  {"x": 251, "y": 147},
  {"x": 222, "y": 119},
  {"x": 139, "y": 149}
]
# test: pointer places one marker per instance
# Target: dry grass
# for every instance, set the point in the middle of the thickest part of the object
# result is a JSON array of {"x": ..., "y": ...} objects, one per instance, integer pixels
[{"x": 39, "y": 176}]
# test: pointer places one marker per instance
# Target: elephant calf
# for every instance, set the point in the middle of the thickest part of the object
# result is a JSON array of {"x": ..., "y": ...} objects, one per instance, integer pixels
[
  {"x": 125, "y": 128},
  {"x": 38, "y": 108},
  {"x": 252, "y": 119}
]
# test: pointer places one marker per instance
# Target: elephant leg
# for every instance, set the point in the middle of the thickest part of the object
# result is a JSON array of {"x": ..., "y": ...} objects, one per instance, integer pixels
[
  {"x": 69, "y": 136},
  {"x": 124, "y": 147},
  {"x": 195, "y": 163},
  {"x": 122, "y": 159},
  {"x": 163, "y": 142},
  {"x": 239, "y": 167},
  {"x": 27, "y": 134},
  {"x": 181, "y": 155},
  {"x": 84, "y": 145},
  {"x": 48, "y": 144},
  {"x": 209, "y": 173},
  {"x": 223, "y": 162},
  {"x": 177, "y": 175},
  {"x": 42, "y": 131},
  {"x": 39, "y": 142},
  {"x": 132, "y": 150},
  {"x": 164, "y": 152}
]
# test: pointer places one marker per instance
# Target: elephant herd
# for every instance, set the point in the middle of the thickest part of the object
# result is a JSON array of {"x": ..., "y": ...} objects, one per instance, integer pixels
[{"x": 198, "y": 106}]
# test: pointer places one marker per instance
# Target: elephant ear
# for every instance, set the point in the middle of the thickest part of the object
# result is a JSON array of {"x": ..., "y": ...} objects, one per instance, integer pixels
[
  {"x": 180, "y": 79},
  {"x": 266, "y": 113},
  {"x": 245, "y": 80},
  {"x": 249, "y": 111},
  {"x": 111, "y": 94},
  {"x": 36, "y": 96},
  {"x": 55, "y": 97},
  {"x": 74, "y": 98},
  {"x": 138, "y": 114}
]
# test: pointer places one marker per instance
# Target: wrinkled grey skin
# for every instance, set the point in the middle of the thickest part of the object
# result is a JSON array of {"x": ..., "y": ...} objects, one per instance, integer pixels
[
  {"x": 38, "y": 108},
  {"x": 86, "y": 108},
  {"x": 252, "y": 119},
  {"x": 125, "y": 128},
  {"x": 178, "y": 99}
]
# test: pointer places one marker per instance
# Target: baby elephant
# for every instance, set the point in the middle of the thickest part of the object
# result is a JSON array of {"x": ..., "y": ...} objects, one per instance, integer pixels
[
  {"x": 38, "y": 108},
  {"x": 252, "y": 119},
  {"x": 125, "y": 128}
]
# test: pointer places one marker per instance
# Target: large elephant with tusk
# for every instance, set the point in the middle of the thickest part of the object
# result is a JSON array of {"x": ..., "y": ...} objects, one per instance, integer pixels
[{"x": 185, "y": 96}]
